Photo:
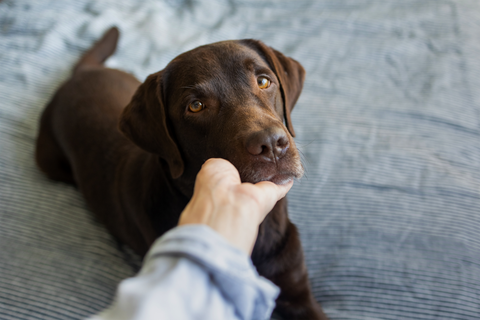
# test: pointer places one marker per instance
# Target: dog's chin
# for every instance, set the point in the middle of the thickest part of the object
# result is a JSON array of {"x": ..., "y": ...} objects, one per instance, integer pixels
[
  {"x": 280, "y": 172},
  {"x": 264, "y": 174},
  {"x": 281, "y": 179}
]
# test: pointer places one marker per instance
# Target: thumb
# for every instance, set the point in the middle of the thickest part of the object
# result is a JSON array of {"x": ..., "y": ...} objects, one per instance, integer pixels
[
  {"x": 268, "y": 193},
  {"x": 276, "y": 190}
]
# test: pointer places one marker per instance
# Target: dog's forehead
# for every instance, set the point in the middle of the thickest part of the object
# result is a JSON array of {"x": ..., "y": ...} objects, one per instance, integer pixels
[{"x": 226, "y": 60}]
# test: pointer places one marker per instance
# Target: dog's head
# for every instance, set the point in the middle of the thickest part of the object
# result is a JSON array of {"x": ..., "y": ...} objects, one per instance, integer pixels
[{"x": 224, "y": 100}]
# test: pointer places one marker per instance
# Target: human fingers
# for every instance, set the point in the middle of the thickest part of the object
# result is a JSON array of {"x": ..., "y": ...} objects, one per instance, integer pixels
[
  {"x": 211, "y": 187},
  {"x": 278, "y": 191},
  {"x": 215, "y": 171},
  {"x": 265, "y": 195}
]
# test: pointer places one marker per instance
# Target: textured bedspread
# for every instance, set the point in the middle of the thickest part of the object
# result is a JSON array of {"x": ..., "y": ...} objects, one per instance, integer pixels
[{"x": 388, "y": 125}]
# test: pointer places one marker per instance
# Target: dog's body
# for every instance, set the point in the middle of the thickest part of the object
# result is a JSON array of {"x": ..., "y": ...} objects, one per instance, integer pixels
[{"x": 209, "y": 102}]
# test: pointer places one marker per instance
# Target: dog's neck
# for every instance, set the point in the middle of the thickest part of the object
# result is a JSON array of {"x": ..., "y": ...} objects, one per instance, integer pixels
[
  {"x": 179, "y": 191},
  {"x": 186, "y": 182}
]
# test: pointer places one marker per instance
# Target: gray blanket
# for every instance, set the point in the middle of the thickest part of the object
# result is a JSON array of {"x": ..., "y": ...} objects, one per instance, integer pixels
[{"x": 388, "y": 125}]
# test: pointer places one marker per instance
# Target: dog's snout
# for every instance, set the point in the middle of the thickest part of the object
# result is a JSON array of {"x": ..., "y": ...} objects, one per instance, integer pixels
[{"x": 270, "y": 143}]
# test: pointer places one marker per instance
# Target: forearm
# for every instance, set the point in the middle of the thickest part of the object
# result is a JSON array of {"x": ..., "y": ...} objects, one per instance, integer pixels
[{"x": 193, "y": 273}]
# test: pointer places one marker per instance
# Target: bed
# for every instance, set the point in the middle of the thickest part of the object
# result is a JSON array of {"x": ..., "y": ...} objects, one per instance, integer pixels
[{"x": 388, "y": 125}]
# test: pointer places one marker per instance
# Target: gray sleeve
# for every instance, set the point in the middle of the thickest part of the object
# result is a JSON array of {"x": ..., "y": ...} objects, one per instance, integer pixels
[{"x": 191, "y": 272}]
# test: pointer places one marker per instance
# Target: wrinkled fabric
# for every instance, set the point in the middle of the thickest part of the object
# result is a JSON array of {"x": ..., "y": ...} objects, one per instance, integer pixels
[
  {"x": 388, "y": 125},
  {"x": 193, "y": 273}
]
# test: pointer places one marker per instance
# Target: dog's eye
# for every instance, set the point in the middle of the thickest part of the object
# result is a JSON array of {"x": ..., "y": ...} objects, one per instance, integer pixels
[
  {"x": 196, "y": 106},
  {"x": 263, "y": 83}
]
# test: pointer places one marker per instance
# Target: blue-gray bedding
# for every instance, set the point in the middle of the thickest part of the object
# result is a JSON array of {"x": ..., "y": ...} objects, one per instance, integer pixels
[{"x": 388, "y": 125}]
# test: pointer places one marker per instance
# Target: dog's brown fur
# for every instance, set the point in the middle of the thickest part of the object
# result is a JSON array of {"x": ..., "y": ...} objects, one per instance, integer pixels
[{"x": 137, "y": 183}]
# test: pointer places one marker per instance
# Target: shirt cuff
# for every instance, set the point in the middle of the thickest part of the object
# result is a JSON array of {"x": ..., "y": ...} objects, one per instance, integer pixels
[{"x": 231, "y": 269}]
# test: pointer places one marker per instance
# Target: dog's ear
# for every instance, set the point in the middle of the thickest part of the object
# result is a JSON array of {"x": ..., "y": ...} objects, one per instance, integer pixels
[
  {"x": 144, "y": 122},
  {"x": 289, "y": 72}
]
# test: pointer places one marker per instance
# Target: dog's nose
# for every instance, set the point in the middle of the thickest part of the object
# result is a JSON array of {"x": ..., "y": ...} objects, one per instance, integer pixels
[{"x": 271, "y": 143}]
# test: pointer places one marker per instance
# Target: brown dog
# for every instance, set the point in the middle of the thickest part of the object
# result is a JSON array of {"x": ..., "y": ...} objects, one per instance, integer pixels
[{"x": 224, "y": 100}]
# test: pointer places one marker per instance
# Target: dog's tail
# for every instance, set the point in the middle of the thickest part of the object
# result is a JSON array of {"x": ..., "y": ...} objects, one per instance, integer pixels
[{"x": 103, "y": 49}]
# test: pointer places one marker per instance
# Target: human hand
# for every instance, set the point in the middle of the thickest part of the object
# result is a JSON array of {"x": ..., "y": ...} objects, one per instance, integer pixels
[{"x": 232, "y": 208}]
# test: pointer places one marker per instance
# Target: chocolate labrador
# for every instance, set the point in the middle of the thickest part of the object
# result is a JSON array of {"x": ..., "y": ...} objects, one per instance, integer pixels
[{"x": 224, "y": 100}]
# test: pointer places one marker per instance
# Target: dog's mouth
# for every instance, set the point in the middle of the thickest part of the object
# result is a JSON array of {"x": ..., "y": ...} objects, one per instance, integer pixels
[
  {"x": 282, "y": 171},
  {"x": 263, "y": 174},
  {"x": 281, "y": 179}
]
